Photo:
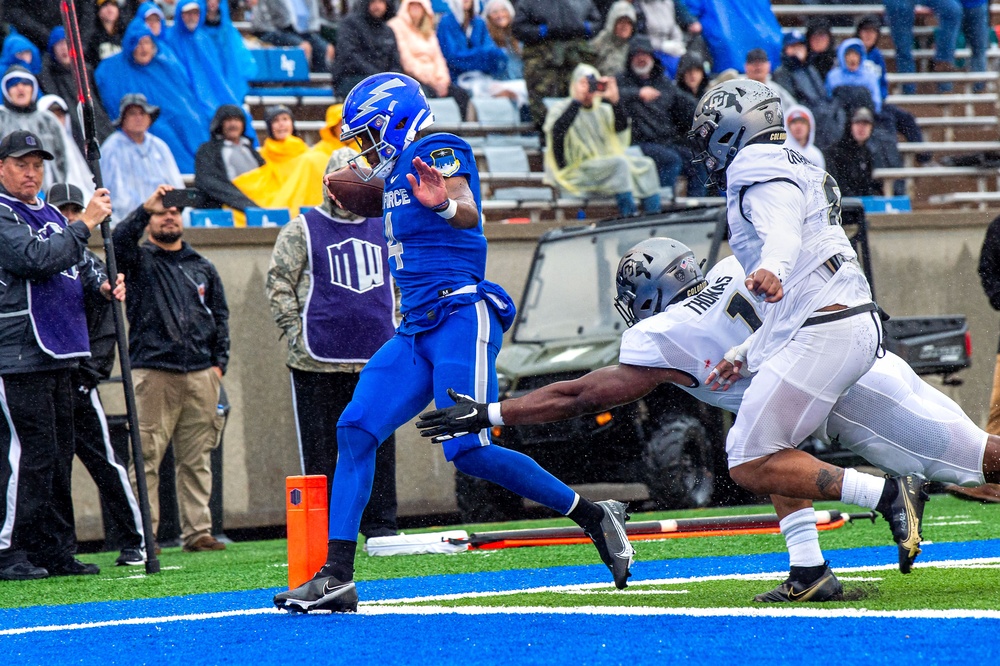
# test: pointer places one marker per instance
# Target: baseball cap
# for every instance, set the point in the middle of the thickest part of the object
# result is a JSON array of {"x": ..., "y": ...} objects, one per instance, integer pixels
[
  {"x": 20, "y": 143},
  {"x": 797, "y": 114},
  {"x": 757, "y": 55},
  {"x": 62, "y": 194},
  {"x": 135, "y": 99},
  {"x": 863, "y": 115},
  {"x": 793, "y": 37},
  {"x": 187, "y": 6}
]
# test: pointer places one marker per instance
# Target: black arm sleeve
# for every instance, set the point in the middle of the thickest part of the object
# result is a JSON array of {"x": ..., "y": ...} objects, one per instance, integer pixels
[
  {"x": 989, "y": 264},
  {"x": 559, "y": 130},
  {"x": 24, "y": 254},
  {"x": 126, "y": 237},
  {"x": 220, "y": 311},
  {"x": 210, "y": 177}
]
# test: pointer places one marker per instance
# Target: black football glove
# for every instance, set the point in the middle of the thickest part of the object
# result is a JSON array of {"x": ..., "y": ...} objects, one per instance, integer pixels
[{"x": 464, "y": 417}]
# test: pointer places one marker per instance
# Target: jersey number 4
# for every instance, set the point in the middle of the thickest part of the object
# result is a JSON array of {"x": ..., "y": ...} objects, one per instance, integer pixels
[{"x": 395, "y": 247}]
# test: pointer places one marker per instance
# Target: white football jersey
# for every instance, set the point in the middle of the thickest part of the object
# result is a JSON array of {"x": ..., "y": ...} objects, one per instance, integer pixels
[
  {"x": 784, "y": 216},
  {"x": 692, "y": 336}
]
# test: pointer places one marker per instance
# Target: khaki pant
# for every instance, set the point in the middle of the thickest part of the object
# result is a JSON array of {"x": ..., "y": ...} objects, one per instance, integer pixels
[
  {"x": 993, "y": 426},
  {"x": 181, "y": 407}
]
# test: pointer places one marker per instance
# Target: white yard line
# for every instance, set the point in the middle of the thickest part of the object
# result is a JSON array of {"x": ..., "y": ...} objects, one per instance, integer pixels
[{"x": 396, "y": 607}]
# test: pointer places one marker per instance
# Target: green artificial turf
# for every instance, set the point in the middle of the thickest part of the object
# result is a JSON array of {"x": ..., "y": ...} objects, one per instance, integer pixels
[{"x": 254, "y": 565}]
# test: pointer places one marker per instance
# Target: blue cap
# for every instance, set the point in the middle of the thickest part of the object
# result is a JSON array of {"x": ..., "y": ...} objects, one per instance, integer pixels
[{"x": 793, "y": 37}]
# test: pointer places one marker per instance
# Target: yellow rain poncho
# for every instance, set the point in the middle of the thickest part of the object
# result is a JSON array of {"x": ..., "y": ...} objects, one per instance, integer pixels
[
  {"x": 330, "y": 134},
  {"x": 596, "y": 161},
  {"x": 292, "y": 176}
]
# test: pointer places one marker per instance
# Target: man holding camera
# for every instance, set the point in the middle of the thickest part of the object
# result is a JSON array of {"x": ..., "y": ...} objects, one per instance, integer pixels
[
  {"x": 43, "y": 334},
  {"x": 179, "y": 348}
]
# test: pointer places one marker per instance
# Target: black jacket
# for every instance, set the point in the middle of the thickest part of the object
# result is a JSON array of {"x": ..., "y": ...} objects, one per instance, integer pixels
[
  {"x": 802, "y": 80},
  {"x": 101, "y": 331},
  {"x": 365, "y": 46},
  {"x": 210, "y": 175},
  {"x": 537, "y": 21},
  {"x": 851, "y": 164},
  {"x": 23, "y": 258},
  {"x": 666, "y": 119},
  {"x": 177, "y": 312},
  {"x": 57, "y": 80},
  {"x": 989, "y": 265}
]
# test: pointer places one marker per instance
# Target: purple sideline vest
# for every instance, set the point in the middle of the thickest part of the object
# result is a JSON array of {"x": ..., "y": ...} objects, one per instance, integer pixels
[
  {"x": 55, "y": 303},
  {"x": 349, "y": 310}
]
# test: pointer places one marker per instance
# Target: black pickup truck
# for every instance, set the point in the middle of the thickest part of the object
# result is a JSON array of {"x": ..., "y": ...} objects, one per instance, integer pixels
[{"x": 567, "y": 326}]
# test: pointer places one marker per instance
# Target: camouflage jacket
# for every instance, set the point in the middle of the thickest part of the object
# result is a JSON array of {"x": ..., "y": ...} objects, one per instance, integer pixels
[{"x": 287, "y": 287}]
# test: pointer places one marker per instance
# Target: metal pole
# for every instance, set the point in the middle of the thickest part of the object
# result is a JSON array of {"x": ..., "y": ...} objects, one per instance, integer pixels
[{"x": 86, "y": 105}]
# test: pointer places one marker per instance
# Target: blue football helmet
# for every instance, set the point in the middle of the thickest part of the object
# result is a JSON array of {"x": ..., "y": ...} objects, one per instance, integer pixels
[{"x": 388, "y": 110}]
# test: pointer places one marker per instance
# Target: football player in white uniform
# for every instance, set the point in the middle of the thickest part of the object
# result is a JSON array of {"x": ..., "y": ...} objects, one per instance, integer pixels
[{"x": 890, "y": 416}]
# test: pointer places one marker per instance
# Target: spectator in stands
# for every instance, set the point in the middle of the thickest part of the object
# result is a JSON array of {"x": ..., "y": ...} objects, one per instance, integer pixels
[
  {"x": 819, "y": 39},
  {"x": 154, "y": 18},
  {"x": 329, "y": 135},
  {"x": 662, "y": 27},
  {"x": 222, "y": 158},
  {"x": 805, "y": 84},
  {"x": 758, "y": 68},
  {"x": 900, "y": 15},
  {"x": 612, "y": 43},
  {"x": 659, "y": 112},
  {"x": 851, "y": 72},
  {"x": 499, "y": 21},
  {"x": 691, "y": 75},
  {"x": 290, "y": 177},
  {"x": 976, "y": 28},
  {"x": 466, "y": 43},
  {"x": 732, "y": 29},
  {"x": 183, "y": 120},
  {"x": 179, "y": 348},
  {"x": 420, "y": 52},
  {"x": 35, "y": 20},
  {"x": 109, "y": 31},
  {"x": 901, "y": 120},
  {"x": 801, "y": 129},
  {"x": 58, "y": 79},
  {"x": 134, "y": 162},
  {"x": 331, "y": 332},
  {"x": 366, "y": 45},
  {"x": 21, "y": 112},
  {"x": 18, "y": 50},
  {"x": 77, "y": 170},
  {"x": 238, "y": 64},
  {"x": 850, "y": 161},
  {"x": 199, "y": 57},
  {"x": 92, "y": 442},
  {"x": 585, "y": 141},
  {"x": 554, "y": 34},
  {"x": 284, "y": 23}
]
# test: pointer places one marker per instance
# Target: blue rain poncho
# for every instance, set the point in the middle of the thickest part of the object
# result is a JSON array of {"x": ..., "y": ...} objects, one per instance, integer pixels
[
  {"x": 200, "y": 59},
  {"x": 238, "y": 64},
  {"x": 184, "y": 118},
  {"x": 14, "y": 44}
]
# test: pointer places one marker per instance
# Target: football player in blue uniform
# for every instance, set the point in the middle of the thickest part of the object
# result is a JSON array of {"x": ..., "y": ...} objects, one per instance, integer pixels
[{"x": 452, "y": 329}]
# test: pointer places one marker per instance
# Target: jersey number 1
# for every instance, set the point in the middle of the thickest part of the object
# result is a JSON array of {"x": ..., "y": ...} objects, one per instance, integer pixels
[{"x": 740, "y": 308}]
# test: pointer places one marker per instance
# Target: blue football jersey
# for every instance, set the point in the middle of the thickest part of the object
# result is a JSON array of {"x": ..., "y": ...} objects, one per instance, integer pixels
[{"x": 427, "y": 256}]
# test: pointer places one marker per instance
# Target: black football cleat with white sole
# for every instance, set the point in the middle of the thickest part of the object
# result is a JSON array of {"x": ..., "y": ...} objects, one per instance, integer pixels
[
  {"x": 905, "y": 513},
  {"x": 320, "y": 593},
  {"x": 826, "y": 587},
  {"x": 612, "y": 541}
]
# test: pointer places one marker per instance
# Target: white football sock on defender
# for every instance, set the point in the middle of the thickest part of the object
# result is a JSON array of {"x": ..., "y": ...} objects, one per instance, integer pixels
[
  {"x": 802, "y": 538},
  {"x": 861, "y": 489}
]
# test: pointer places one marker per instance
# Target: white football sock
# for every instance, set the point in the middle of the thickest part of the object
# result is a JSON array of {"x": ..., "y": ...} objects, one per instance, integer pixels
[
  {"x": 802, "y": 538},
  {"x": 861, "y": 489}
]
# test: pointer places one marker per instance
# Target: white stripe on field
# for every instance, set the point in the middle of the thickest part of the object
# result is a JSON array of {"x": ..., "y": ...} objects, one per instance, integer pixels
[{"x": 139, "y": 621}]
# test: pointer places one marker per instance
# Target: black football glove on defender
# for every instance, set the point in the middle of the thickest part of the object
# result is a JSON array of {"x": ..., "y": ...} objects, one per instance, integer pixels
[{"x": 464, "y": 417}]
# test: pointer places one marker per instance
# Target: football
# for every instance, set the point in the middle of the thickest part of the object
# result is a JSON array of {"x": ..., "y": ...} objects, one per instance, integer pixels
[{"x": 360, "y": 197}]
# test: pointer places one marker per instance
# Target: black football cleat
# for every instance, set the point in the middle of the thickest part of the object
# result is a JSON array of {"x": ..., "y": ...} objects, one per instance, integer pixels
[
  {"x": 824, "y": 588},
  {"x": 320, "y": 593},
  {"x": 612, "y": 542},
  {"x": 904, "y": 515}
]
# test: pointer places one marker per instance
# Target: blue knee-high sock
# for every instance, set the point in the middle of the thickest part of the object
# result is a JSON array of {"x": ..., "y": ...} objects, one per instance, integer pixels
[
  {"x": 352, "y": 482},
  {"x": 517, "y": 473}
]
